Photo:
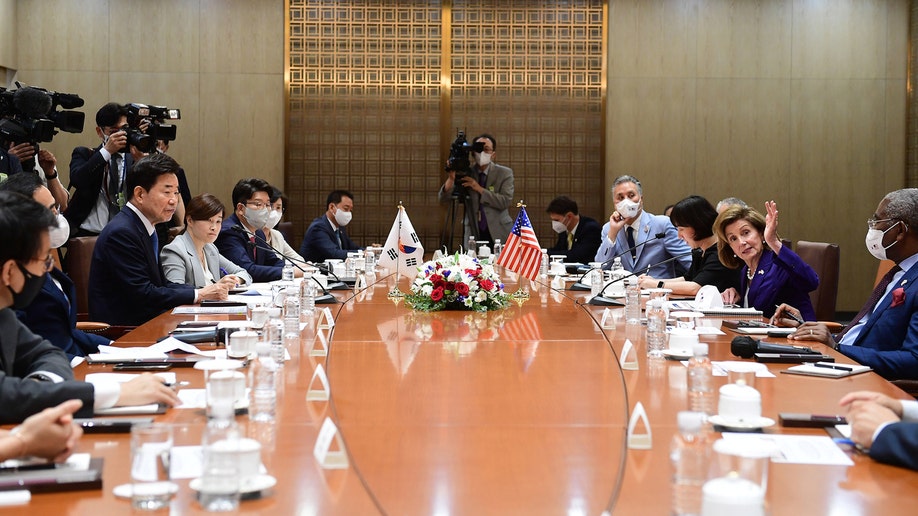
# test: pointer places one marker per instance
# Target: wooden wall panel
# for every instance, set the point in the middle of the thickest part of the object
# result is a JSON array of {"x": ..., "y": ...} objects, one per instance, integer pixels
[
  {"x": 159, "y": 36},
  {"x": 242, "y": 36},
  {"x": 8, "y": 35},
  {"x": 748, "y": 39},
  {"x": 653, "y": 38},
  {"x": 839, "y": 39},
  {"x": 64, "y": 35}
]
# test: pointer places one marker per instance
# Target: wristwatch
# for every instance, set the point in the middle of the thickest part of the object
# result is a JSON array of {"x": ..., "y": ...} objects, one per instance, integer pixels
[{"x": 661, "y": 284}]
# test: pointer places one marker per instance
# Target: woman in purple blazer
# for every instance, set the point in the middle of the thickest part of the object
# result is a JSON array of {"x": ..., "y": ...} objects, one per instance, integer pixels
[{"x": 771, "y": 273}]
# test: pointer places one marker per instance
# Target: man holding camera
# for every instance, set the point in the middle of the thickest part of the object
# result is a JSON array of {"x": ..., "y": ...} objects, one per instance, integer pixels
[
  {"x": 97, "y": 175},
  {"x": 490, "y": 191}
]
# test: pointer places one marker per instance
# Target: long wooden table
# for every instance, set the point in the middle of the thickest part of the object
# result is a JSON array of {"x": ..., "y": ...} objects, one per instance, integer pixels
[{"x": 521, "y": 411}]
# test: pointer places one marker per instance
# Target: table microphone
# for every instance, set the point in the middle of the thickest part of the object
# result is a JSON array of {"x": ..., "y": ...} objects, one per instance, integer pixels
[
  {"x": 324, "y": 299},
  {"x": 746, "y": 347},
  {"x": 579, "y": 285},
  {"x": 598, "y": 300}
]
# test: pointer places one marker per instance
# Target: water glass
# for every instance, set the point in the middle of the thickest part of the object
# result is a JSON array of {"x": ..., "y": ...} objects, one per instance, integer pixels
[{"x": 151, "y": 449}]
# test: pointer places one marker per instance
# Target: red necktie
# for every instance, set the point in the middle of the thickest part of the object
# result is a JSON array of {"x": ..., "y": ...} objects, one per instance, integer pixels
[
  {"x": 254, "y": 249},
  {"x": 872, "y": 301}
]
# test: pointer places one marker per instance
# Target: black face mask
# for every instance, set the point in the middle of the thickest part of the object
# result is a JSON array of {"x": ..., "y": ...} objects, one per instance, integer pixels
[{"x": 30, "y": 288}]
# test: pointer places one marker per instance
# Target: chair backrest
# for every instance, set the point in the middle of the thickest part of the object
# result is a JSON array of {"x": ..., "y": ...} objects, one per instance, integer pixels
[
  {"x": 824, "y": 259},
  {"x": 286, "y": 229},
  {"x": 76, "y": 265}
]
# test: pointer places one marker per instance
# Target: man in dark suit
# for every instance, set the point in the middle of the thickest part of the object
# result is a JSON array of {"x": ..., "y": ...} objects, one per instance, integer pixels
[
  {"x": 126, "y": 283},
  {"x": 98, "y": 175},
  {"x": 242, "y": 239},
  {"x": 34, "y": 374},
  {"x": 578, "y": 237},
  {"x": 326, "y": 237},
  {"x": 887, "y": 427},
  {"x": 884, "y": 335},
  {"x": 53, "y": 312}
]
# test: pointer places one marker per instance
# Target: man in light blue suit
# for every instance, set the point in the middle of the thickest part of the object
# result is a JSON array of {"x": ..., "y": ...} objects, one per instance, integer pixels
[
  {"x": 887, "y": 427},
  {"x": 642, "y": 239}
]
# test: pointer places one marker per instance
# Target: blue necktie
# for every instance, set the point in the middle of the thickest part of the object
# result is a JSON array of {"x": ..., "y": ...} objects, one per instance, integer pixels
[
  {"x": 630, "y": 237},
  {"x": 155, "y": 240}
]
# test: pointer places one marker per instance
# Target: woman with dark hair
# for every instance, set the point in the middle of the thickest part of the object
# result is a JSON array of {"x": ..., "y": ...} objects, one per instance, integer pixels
[
  {"x": 192, "y": 258},
  {"x": 771, "y": 273},
  {"x": 694, "y": 220}
]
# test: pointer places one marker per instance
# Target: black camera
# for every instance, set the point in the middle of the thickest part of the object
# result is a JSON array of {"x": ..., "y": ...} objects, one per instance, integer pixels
[
  {"x": 460, "y": 163},
  {"x": 144, "y": 138},
  {"x": 29, "y": 114}
]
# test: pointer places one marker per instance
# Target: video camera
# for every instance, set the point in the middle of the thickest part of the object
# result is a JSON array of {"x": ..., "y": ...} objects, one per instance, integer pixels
[
  {"x": 29, "y": 114},
  {"x": 145, "y": 140},
  {"x": 459, "y": 161}
]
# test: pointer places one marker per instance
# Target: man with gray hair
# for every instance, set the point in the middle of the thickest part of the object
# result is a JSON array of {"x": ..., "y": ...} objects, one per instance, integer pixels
[
  {"x": 643, "y": 240},
  {"x": 884, "y": 334},
  {"x": 726, "y": 202}
]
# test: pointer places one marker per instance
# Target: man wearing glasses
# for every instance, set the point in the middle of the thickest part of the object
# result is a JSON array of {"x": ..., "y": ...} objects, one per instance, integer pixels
[
  {"x": 242, "y": 239},
  {"x": 884, "y": 334}
]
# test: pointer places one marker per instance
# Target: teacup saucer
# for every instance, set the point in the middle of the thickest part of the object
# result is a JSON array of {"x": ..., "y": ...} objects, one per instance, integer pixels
[
  {"x": 126, "y": 490},
  {"x": 741, "y": 425},
  {"x": 255, "y": 484},
  {"x": 676, "y": 354}
]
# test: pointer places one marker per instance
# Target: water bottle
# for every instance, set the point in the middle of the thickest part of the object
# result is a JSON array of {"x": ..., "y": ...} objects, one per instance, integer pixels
[
  {"x": 371, "y": 260},
  {"x": 263, "y": 371},
  {"x": 287, "y": 272},
  {"x": 656, "y": 329},
  {"x": 292, "y": 312},
  {"x": 632, "y": 301},
  {"x": 497, "y": 248},
  {"x": 307, "y": 297},
  {"x": 472, "y": 246},
  {"x": 219, "y": 490},
  {"x": 596, "y": 282},
  {"x": 690, "y": 455},
  {"x": 700, "y": 386},
  {"x": 275, "y": 337},
  {"x": 616, "y": 273},
  {"x": 543, "y": 269}
]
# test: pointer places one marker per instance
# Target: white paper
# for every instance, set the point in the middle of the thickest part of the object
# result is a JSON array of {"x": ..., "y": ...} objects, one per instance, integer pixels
[
  {"x": 796, "y": 449},
  {"x": 186, "y": 462},
  {"x": 152, "y": 408},
  {"x": 761, "y": 370},
  {"x": 95, "y": 378},
  {"x": 708, "y": 330},
  {"x": 197, "y": 310}
]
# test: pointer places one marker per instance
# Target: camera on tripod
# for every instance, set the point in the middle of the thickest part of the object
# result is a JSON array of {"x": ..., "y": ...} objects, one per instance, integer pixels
[
  {"x": 460, "y": 163},
  {"x": 31, "y": 114},
  {"x": 156, "y": 129}
]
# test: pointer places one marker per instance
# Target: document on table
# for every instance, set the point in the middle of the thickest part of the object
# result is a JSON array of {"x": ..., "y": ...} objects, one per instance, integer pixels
[
  {"x": 796, "y": 449},
  {"x": 198, "y": 310},
  {"x": 720, "y": 368}
]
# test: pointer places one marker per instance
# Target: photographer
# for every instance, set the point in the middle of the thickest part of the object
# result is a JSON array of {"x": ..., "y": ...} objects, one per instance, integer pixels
[
  {"x": 97, "y": 175},
  {"x": 9, "y": 164},
  {"x": 33, "y": 157},
  {"x": 489, "y": 188}
]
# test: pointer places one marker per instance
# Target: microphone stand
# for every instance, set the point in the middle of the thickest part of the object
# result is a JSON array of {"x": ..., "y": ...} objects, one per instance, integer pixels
[
  {"x": 599, "y": 300},
  {"x": 324, "y": 299},
  {"x": 580, "y": 285}
]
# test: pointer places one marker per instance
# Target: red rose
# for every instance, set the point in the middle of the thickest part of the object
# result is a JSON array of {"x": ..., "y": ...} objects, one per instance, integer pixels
[
  {"x": 450, "y": 285},
  {"x": 462, "y": 289},
  {"x": 898, "y": 297},
  {"x": 486, "y": 284},
  {"x": 437, "y": 294},
  {"x": 435, "y": 278}
]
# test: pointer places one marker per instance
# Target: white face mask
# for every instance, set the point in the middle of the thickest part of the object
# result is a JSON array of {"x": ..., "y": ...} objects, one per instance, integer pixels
[
  {"x": 874, "y": 241},
  {"x": 558, "y": 226},
  {"x": 343, "y": 218},
  {"x": 483, "y": 158},
  {"x": 257, "y": 218},
  {"x": 59, "y": 234},
  {"x": 274, "y": 218},
  {"x": 628, "y": 208}
]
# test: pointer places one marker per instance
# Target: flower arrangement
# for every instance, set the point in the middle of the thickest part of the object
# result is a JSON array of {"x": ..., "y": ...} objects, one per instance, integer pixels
[{"x": 457, "y": 282}]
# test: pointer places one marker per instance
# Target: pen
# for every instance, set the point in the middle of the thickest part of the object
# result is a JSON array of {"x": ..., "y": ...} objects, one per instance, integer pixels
[
  {"x": 792, "y": 316},
  {"x": 834, "y": 366},
  {"x": 224, "y": 273}
]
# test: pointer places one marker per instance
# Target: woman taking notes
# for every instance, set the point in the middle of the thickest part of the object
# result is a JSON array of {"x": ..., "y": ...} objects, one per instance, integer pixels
[
  {"x": 771, "y": 273},
  {"x": 192, "y": 258}
]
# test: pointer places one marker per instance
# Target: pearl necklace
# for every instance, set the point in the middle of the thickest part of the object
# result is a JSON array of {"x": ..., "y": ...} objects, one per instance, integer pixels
[{"x": 750, "y": 274}]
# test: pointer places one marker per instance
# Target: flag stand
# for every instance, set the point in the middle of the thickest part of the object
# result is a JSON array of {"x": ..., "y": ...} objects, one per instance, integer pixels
[
  {"x": 395, "y": 292},
  {"x": 522, "y": 290}
]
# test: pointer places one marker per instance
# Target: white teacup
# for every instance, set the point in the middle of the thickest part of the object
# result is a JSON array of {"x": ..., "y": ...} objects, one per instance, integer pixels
[
  {"x": 682, "y": 340},
  {"x": 728, "y": 496},
  {"x": 558, "y": 268},
  {"x": 248, "y": 457},
  {"x": 739, "y": 403},
  {"x": 259, "y": 316},
  {"x": 242, "y": 343}
]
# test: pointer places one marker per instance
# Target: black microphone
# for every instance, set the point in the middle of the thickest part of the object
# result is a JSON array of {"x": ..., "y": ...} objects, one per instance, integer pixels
[
  {"x": 579, "y": 285},
  {"x": 325, "y": 298},
  {"x": 598, "y": 300},
  {"x": 32, "y": 102},
  {"x": 746, "y": 347}
]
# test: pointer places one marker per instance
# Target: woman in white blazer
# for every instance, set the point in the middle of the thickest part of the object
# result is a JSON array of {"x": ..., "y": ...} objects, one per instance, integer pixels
[
  {"x": 192, "y": 258},
  {"x": 273, "y": 237}
]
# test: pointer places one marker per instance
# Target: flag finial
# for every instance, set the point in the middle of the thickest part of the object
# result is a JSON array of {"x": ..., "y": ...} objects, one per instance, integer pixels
[{"x": 520, "y": 204}]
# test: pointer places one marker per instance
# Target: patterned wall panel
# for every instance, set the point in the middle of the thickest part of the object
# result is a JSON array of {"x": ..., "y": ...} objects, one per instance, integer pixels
[{"x": 369, "y": 94}]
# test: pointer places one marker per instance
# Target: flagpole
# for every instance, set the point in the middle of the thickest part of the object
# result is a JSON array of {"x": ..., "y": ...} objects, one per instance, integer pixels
[
  {"x": 522, "y": 290},
  {"x": 395, "y": 292}
]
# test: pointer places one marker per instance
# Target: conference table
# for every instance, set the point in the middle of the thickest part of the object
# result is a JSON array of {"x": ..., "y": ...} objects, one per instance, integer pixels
[{"x": 517, "y": 411}]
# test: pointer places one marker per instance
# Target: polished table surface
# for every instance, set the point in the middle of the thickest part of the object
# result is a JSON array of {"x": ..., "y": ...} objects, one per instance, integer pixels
[{"x": 519, "y": 411}]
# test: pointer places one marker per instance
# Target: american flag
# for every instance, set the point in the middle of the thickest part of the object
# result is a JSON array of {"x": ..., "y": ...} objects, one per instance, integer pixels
[{"x": 522, "y": 253}]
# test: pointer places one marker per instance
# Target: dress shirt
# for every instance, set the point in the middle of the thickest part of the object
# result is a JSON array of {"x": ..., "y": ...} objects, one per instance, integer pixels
[{"x": 851, "y": 336}]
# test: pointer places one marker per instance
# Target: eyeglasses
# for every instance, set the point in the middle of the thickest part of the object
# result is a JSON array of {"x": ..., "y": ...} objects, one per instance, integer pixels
[
  {"x": 256, "y": 204},
  {"x": 872, "y": 223},
  {"x": 48, "y": 263}
]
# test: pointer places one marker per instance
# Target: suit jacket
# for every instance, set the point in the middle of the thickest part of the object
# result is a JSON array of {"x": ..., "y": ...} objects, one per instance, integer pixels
[
  {"x": 897, "y": 444},
  {"x": 889, "y": 340},
  {"x": 781, "y": 278},
  {"x": 53, "y": 315},
  {"x": 9, "y": 164},
  {"x": 87, "y": 171},
  {"x": 651, "y": 253},
  {"x": 126, "y": 284},
  {"x": 23, "y": 353},
  {"x": 320, "y": 243},
  {"x": 181, "y": 263},
  {"x": 236, "y": 247},
  {"x": 496, "y": 199},
  {"x": 586, "y": 242}
]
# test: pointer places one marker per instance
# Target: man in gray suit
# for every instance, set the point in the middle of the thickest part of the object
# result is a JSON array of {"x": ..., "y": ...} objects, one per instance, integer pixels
[{"x": 489, "y": 196}]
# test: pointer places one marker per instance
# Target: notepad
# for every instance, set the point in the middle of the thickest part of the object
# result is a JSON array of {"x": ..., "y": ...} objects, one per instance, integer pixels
[{"x": 827, "y": 369}]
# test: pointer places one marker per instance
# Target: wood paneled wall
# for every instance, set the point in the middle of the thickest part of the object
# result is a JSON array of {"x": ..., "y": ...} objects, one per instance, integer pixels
[
  {"x": 7, "y": 34},
  {"x": 219, "y": 61},
  {"x": 803, "y": 102}
]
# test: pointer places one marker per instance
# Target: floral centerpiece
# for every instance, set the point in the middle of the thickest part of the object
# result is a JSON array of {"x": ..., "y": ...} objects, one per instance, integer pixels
[{"x": 457, "y": 282}]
